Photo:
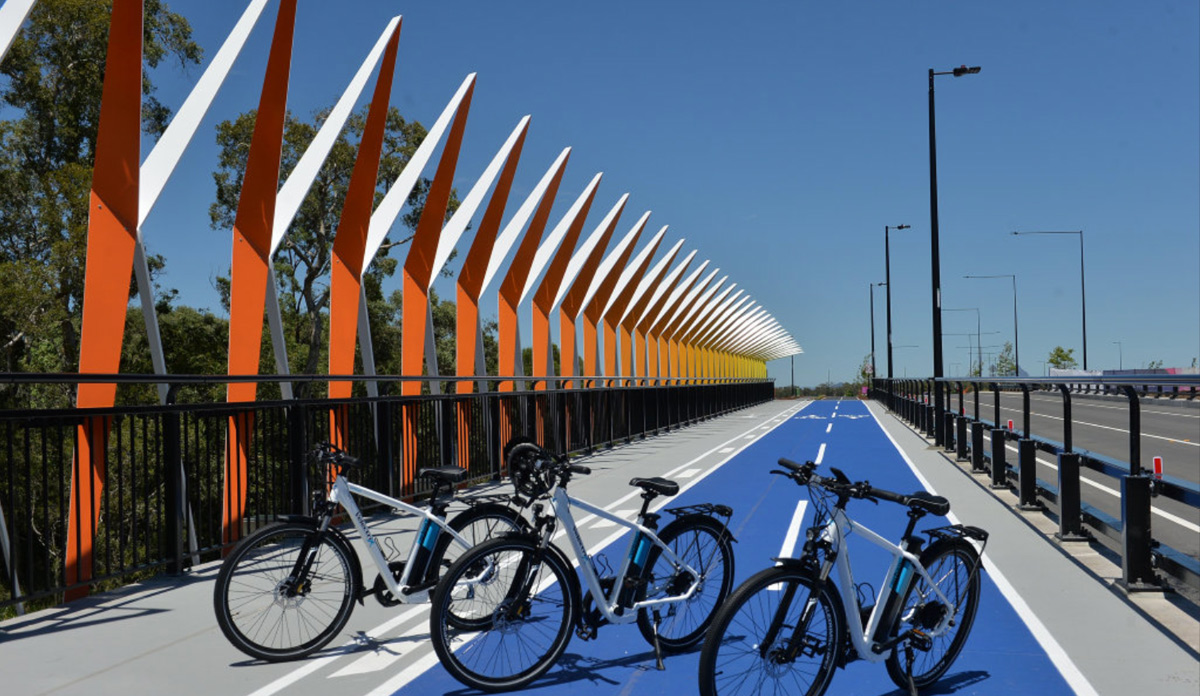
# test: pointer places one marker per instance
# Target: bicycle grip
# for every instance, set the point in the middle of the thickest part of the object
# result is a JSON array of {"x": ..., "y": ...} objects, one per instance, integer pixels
[
  {"x": 887, "y": 495},
  {"x": 580, "y": 469},
  {"x": 785, "y": 462}
]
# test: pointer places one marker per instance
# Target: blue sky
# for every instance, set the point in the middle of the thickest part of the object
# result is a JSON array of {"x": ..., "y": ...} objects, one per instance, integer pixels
[{"x": 779, "y": 138}]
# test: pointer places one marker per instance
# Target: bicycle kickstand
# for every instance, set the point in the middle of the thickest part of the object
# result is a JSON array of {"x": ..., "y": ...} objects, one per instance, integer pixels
[
  {"x": 908, "y": 658},
  {"x": 658, "y": 659}
]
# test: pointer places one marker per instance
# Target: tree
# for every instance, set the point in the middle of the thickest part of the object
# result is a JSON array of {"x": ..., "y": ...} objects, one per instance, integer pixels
[
  {"x": 1062, "y": 358},
  {"x": 1005, "y": 365},
  {"x": 1154, "y": 365},
  {"x": 55, "y": 71},
  {"x": 302, "y": 264}
]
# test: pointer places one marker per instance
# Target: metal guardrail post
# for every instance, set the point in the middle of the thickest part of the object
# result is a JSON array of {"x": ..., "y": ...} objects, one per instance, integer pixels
[
  {"x": 1137, "y": 567},
  {"x": 977, "y": 466},
  {"x": 947, "y": 430},
  {"x": 297, "y": 455},
  {"x": 175, "y": 505},
  {"x": 999, "y": 466},
  {"x": 1070, "y": 519},
  {"x": 387, "y": 455},
  {"x": 960, "y": 440},
  {"x": 1027, "y": 474}
]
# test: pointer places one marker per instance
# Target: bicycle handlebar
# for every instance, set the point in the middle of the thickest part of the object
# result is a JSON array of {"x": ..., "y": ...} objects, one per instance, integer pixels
[{"x": 804, "y": 474}]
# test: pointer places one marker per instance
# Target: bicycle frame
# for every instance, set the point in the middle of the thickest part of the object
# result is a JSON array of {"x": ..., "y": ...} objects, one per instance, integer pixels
[
  {"x": 897, "y": 580},
  {"x": 343, "y": 492},
  {"x": 562, "y": 504}
]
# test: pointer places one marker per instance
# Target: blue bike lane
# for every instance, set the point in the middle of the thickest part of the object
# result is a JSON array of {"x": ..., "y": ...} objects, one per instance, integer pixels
[{"x": 1001, "y": 656}]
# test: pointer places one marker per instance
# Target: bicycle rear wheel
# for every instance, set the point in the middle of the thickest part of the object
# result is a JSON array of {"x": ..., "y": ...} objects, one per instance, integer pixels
[
  {"x": 268, "y": 612},
  {"x": 952, "y": 564},
  {"x": 704, "y": 544},
  {"x": 476, "y": 524},
  {"x": 745, "y": 652},
  {"x": 500, "y": 618}
]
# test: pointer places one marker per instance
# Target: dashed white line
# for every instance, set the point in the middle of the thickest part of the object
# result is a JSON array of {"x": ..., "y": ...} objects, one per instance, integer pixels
[
  {"x": 726, "y": 450},
  {"x": 820, "y": 454},
  {"x": 829, "y": 427},
  {"x": 687, "y": 474}
]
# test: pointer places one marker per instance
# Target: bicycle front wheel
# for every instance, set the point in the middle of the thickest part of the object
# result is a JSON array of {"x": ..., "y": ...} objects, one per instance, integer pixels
[
  {"x": 753, "y": 646},
  {"x": 705, "y": 545},
  {"x": 953, "y": 565},
  {"x": 270, "y": 612},
  {"x": 503, "y": 613}
]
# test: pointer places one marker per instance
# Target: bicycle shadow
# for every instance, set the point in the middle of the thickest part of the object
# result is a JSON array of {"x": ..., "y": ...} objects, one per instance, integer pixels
[
  {"x": 949, "y": 684},
  {"x": 573, "y": 668}
]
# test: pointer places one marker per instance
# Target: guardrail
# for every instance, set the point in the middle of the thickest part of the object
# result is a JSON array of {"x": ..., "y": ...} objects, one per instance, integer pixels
[
  {"x": 161, "y": 502},
  {"x": 1130, "y": 536}
]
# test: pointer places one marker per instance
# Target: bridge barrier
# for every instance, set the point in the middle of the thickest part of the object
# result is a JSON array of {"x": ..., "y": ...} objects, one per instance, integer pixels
[
  {"x": 164, "y": 499},
  {"x": 1142, "y": 555}
]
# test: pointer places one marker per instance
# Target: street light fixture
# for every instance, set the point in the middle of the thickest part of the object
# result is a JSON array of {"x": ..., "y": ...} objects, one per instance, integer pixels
[
  {"x": 887, "y": 280},
  {"x": 936, "y": 269},
  {"x": 1016, "y": 340},
  {"x": 1082, "y": 290},
  {"x": 872, "y": 289}
]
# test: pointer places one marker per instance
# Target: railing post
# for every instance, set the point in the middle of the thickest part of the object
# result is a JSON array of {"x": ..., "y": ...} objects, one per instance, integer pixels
[
  {"x": 960, "y": 440},
  {"x": 977, "y": 448},
  {"x": 999, "y": 466},
  {"x": 297, "y": 454},
  {"x": 1070, "y": 518},
  {"x": 383, "y": 426},
  {"x": 947, "y": 430},
  {"x": 1137, "y": 567},
  {"x": 173, "y": 461},
  {"x": 1027, "y": 474}
]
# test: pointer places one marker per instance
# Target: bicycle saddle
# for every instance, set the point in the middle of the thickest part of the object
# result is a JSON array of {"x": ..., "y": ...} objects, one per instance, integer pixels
[
  {"x": 444, "y": 474},
  {"x": 929, "y": 502},
  {"x": 657, "y": 484}
]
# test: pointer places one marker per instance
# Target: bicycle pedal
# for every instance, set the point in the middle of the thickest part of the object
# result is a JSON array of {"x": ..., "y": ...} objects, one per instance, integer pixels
[{"x": 921, "y": 640}]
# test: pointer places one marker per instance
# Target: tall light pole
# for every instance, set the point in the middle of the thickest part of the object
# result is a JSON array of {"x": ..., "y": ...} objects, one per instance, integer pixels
[
  {"x": 872, "y": 289},
  {"x": 978, "y": 333},
  {"x": 1120, "y": 356},
  {"x": 935, "y": 262},
  {"x": 1016, "y": 340},
  {"x": 1082, "y": 289},
  {"x": 887, "y": 280}
]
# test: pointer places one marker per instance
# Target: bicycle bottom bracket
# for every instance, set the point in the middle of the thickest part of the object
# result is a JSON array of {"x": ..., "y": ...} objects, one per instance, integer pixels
[{"x": 380, "y": 588}]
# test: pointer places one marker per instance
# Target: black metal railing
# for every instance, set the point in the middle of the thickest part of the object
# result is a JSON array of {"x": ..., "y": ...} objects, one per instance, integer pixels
[
  {"x": 963, "y": 426},
  {"x": 161, "y": 501}
]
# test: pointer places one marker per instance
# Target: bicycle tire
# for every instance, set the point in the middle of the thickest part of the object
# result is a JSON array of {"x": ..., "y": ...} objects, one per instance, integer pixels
[
  {"x": 500, "y": 654},
  {"x": 705, "y": 544},
  {"x": 476, "y": 524},
  {"x": 950, "y": 563},
  {"x": 734, "y": 661},
  {"x": 251, "y": 602}
]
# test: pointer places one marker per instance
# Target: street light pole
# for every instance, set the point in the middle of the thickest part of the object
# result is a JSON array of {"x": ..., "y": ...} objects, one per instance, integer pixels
[
  {"x": 887, "y": 280},
  {"x": 1082, "y": 286},
  {"x": 872, "y": 289},
  {"x": 935, "y": 261},
  {"x": 1120, "y": 356},
  {"x": 978, "y": 332},
  {"x": 1016, "y": 338}
]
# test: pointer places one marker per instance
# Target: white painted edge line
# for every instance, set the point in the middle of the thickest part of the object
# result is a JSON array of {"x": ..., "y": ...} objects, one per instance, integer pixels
[
  {"x": 423, "y": 664},
  {"x": 820, "y": 454},
  {"x": 793, "y": 532},
  {"x": 1062, "y": 661}
]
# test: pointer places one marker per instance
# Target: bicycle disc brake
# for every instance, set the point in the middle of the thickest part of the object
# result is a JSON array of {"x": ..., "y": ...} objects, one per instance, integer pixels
[{"x": 380, "y": 588}]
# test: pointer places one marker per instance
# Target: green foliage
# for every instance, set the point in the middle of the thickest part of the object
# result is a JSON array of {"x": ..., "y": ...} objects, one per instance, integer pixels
[
  {"x": 1154, "y": 365},
  {"x": 1004, "y": 365},
  {"x": 54, "y": 78},
  {"x": 1062, "y": 358}
]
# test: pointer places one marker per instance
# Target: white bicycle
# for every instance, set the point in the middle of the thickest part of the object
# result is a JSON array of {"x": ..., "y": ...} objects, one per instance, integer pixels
[
  {"x": 787, "y": 628},
  {"x": 288, "y": 588},
  {"x": 505, "y": 611}
]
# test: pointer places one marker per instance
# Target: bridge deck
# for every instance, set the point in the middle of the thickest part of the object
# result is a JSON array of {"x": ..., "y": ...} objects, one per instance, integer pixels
[{"x": 1050, "y": 622}]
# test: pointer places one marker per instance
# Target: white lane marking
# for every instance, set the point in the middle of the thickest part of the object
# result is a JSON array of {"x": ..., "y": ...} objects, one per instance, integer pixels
[
  {"x": 829, "y": 427},
  {"x": 1122, "y": 430},
  {"x": 1066, "y": 666},
  {"x": 727, "y": 450},
  {"x": 793, "y": 532},
  {"x": 820, "y": 454},
  {"x": 789, "y": 541},
  {"x": 380, "y": 659},
  {"x": 687, "y": 474},
  {"x": 1115, "y": 493},
  {"x": 1090, "y": 404},
  {"x": 628, "y": 514},
  {"x": 347, "y": 648},
  {"x": 411, "y": 672}
]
